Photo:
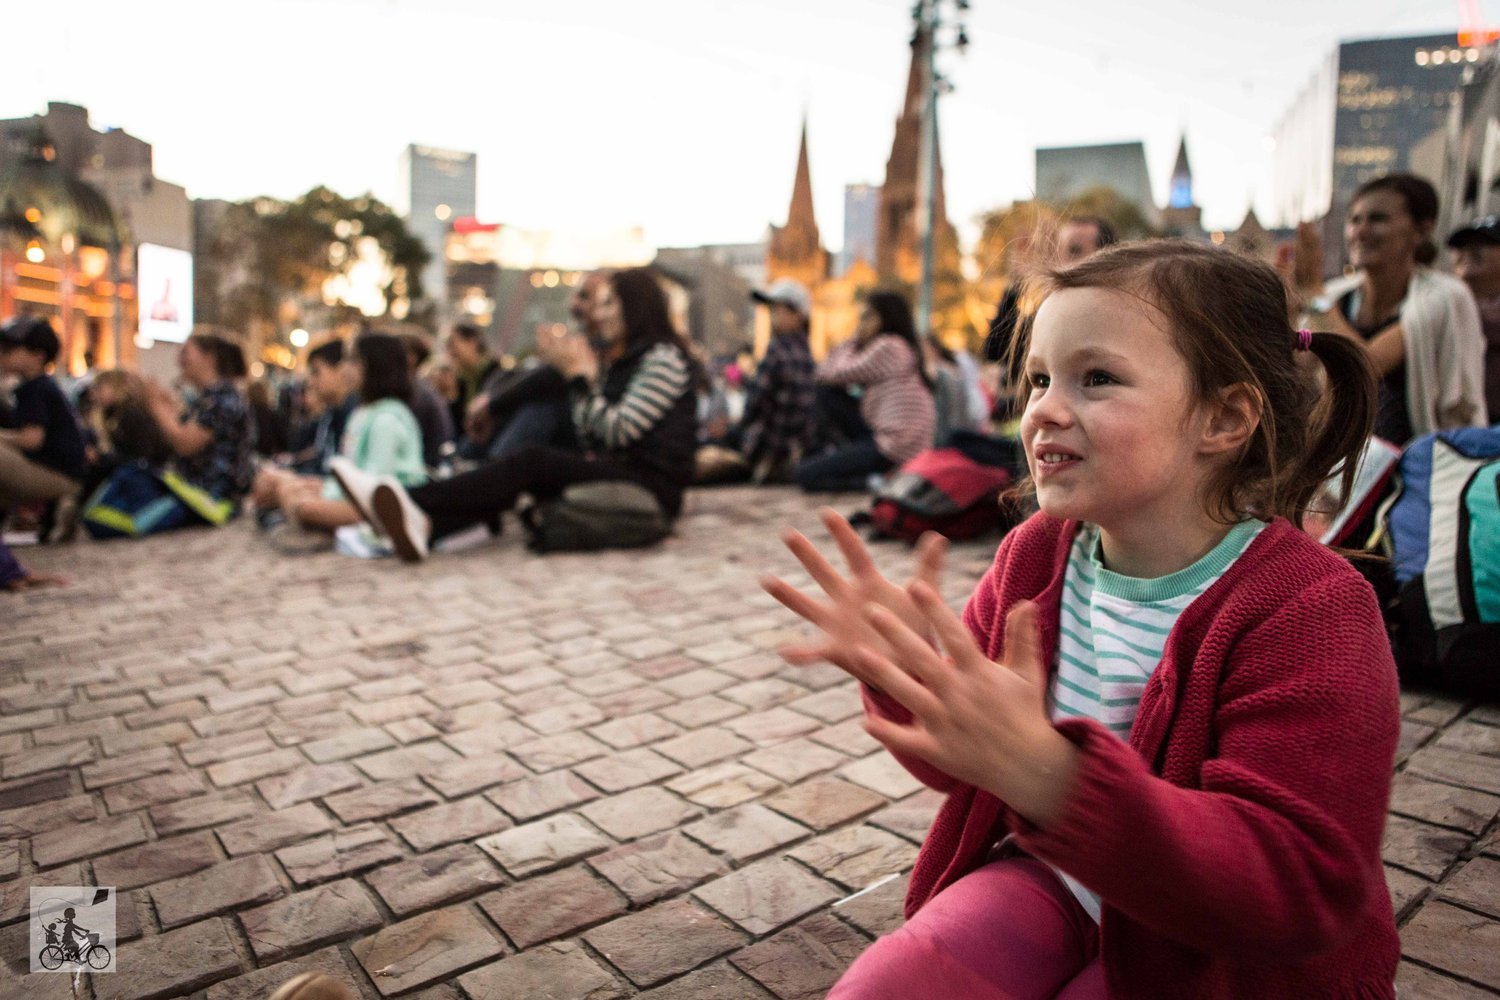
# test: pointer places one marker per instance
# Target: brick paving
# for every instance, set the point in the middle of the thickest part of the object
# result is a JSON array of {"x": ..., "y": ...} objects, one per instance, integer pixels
[{"x": 501, "y": 775}]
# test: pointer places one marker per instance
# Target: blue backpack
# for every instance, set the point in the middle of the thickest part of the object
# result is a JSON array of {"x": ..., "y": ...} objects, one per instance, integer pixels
[{"x": 1442, "y": 530}]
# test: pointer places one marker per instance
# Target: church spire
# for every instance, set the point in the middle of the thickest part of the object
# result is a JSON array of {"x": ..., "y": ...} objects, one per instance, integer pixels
[
  {"x": 896, "y": 242},
  {"x": 1181, "y": 192},
  {"x": 799, "y": 215}
]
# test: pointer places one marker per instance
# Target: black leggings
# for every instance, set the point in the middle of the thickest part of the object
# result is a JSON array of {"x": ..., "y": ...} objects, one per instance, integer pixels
[{"x": 480, "y": 496}]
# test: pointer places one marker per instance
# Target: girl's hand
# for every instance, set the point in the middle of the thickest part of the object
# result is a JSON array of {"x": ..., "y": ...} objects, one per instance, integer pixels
[
  {"x": 981, "y": 722},
  {"x": 842, "y": 617}
]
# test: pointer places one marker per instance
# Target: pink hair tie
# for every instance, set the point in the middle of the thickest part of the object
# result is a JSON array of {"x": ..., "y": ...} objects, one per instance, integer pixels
[{"x": 1304, "y": 340}]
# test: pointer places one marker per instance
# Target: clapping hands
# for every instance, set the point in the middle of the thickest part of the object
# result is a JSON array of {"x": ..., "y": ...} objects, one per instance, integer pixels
[{"x": 977, "y": 720}]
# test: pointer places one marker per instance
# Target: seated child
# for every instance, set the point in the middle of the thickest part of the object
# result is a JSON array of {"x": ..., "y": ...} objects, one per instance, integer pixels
[{"x": 41, "y": 444}]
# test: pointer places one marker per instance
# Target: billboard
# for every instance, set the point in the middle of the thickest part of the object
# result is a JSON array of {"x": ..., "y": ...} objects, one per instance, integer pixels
[{"x": 164, "y": 285}]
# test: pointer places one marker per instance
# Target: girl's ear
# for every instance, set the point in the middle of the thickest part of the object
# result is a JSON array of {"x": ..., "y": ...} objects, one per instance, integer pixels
[{"x": 1232, "y": 419}]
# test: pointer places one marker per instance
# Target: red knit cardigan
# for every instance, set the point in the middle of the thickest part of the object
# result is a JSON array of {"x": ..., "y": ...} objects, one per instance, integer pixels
[{"x": 1235, "y": 841}]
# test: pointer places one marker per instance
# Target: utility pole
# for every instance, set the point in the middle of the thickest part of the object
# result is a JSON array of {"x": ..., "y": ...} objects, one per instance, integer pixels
[{"x": 928, "y": 15}]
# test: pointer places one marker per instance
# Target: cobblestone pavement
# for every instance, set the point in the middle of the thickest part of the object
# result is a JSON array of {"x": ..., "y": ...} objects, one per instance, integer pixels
[{"x": 498, "y": 775}]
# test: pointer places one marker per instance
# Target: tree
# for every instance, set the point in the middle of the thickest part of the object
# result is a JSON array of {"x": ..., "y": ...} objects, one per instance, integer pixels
[{"x": 270, "y": 265}]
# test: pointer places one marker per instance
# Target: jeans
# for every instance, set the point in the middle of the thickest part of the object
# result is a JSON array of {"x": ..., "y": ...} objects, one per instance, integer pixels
[
  {"x": 544, "y": 422},
  {"x": 846, "y": 470},
  {"x": 480, "y": 496}
]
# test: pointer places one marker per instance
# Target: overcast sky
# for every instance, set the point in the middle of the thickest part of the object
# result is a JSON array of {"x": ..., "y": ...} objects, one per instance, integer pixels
[{"x": 680, "y": 116}]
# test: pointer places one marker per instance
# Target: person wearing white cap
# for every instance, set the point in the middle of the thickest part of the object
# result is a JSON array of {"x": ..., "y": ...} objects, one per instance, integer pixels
[{"x": 774, "y": 432}]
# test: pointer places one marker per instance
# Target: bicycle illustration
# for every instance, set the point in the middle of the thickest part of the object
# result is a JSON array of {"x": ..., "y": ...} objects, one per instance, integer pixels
[{"x": 56, "y": 951}]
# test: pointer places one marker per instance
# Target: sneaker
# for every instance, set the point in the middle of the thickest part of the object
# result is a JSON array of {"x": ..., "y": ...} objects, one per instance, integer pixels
[
  {"x": 401, "y": 519},
  {"x": 358, "y": 485}
]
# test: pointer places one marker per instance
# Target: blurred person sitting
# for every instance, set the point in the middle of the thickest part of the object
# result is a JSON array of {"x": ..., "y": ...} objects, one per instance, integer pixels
[
  {"x": 776, "y": 427},
  {"x": 433, "y": 388},
  {"x": 1419, "y": 327},
  {"x": 123, "y": 429},
  {"x": 330, "y": 383},
  {"x": 875, "y": 404},
  {"x": 473, "y": 367},
  {"x": 1476, "y": 262},
  {"x": 382, "y": 437},
  {"x": 528, "y": 405},
  {"x": 42, "y": 456},
  {"x": 633, "y": 408},
  {"x": 212, "y": 437}
]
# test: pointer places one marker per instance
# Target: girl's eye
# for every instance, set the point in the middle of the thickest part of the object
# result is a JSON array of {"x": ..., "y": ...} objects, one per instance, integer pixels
[
  {"x": 1037, "y": 380},
  {"x": 1096, "y": 378}
]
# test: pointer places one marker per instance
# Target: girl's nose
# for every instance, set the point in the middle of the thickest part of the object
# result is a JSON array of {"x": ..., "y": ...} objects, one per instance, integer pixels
[{"x": 1048, "y": 408}]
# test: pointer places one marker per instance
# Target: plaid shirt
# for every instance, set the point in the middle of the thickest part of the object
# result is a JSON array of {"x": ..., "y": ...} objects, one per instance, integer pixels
[{"x": 778, "y": 420}]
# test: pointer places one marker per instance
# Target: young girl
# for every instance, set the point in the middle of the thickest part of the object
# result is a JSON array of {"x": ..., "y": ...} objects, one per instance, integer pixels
[
  {"x": 1167, "y": 721},
  {"x": 382, "y": 438}
]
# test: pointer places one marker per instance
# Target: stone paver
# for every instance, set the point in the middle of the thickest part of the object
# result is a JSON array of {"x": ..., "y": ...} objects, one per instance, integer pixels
[{"x": 585, "y": 775}]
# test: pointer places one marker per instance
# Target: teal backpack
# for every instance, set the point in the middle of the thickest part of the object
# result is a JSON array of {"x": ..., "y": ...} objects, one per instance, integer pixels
[{"x": 1443, "y": 535}]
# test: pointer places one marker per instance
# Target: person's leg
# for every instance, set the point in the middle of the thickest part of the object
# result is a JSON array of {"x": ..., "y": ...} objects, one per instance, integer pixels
[
  {"x": 1010, "y": 929},
  {"x": 838, "y": 414},
  {"x": 480, "y": 496},
  {"x": 847, "y": 469},
  {"x": 24, "y": 481},
  {"x": 534, "y": 423},
  {"x": 323, "y": 515}
]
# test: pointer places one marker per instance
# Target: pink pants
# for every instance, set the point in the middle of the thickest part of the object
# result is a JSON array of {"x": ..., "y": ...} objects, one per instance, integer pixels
[{"x": 1010, "y": 930}]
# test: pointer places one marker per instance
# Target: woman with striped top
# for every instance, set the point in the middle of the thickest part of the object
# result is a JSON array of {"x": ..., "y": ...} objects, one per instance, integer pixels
[
  {"x": 636, "y": 423},
  {"x": 874, "y": 398}
]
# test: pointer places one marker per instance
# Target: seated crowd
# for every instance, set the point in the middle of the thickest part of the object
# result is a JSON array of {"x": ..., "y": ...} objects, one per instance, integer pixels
[{"x": 419, "y": 447}]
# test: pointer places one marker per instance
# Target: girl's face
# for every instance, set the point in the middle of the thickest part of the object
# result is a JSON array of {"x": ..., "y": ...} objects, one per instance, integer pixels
[
  {"x": 357, "y": 372},
  {"x": 197, "y": 366},
  {"x": 1380, "y": 231},
  {"x": 869, "y": 325},
  {"x": 1111, "y": 430},
  {"x": 609, "y": 319}
]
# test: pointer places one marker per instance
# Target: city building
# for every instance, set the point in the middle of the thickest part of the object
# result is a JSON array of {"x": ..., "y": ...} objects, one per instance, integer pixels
[
  {"x": 719, "y": 312},
  {"x": 1462, "y": 156},
  {"x": 1363, "y": 114},
  {"x": 1063, "y": 173},
  {"x": 436, "y": 187},
  {"x": 861, "y": 225},
  {"x": 93, "y": 202}
]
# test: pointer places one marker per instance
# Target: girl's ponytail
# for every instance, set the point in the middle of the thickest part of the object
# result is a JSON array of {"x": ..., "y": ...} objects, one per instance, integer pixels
[{"x": 1343, "y": 419}]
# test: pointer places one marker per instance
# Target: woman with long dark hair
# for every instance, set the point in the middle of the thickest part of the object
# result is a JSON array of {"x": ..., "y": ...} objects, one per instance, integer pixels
[
  {"x": 634, "y": 413},
  {"x": 382, "y": 438},
  {"x": 893, "y": 416}
]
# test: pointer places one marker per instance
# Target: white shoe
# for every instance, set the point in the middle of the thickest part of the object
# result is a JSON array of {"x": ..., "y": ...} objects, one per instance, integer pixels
[
  {"x": 358, "y": 485},
  {"x": 401, "y": 519}
]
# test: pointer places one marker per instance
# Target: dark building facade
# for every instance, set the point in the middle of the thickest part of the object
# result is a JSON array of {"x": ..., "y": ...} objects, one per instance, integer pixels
[{"x": 1364, "y": 113}]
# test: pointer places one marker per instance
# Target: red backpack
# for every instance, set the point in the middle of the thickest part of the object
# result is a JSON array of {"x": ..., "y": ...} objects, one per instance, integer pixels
[{"x": 940, "y": 490}]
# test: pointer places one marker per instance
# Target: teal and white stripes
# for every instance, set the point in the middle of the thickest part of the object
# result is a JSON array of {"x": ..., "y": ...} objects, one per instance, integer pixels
[
  {"x": 1112, "y": 632},
  {"x": 1114, "y": 627}
]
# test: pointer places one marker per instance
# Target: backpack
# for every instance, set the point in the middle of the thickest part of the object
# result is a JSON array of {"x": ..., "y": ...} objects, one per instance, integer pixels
[
  {"x": 597, "y": 515},
  {"x": 940, "y": 490},
  {"x": 138, "y": 500},
  {"x": 1442, "y": 531}
]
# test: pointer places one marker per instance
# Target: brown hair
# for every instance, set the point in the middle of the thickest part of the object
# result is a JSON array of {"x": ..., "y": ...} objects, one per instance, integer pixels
[
  {"x": 229, "y": 357},
  {"x": 1227, "y": 314}
]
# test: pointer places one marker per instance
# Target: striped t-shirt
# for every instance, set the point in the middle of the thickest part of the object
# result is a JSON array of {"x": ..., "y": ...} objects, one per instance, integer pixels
[{"x": 1112, "y": 631}]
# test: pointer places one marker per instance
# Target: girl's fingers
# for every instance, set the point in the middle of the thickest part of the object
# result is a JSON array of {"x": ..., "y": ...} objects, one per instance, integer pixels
[
  {"x": 1023, "y": 644},
  {"x": 882, "y": 673},
  {"x": 820, "y": 569},
  {"x": 796, "y": 601},
  {"x": 948, "y": 627},
  {"x": 856, "y": 556},
  {"x": 906, "y": 740},
  {"x": 909, "y": 651},
  {"x": 931, "y": 550}
]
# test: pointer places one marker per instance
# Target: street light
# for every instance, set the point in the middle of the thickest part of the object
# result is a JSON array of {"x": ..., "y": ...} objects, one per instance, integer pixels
[{"x": 929, "y": 17}]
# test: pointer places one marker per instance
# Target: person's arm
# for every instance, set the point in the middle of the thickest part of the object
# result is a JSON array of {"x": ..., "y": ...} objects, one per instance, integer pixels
[
  {"x": 1270, "y": 855},
  {"x": 184, "y": 435},
  {"x": 881, "y": 358},
  {"x": 27, "y": 438},
  {"x": 658, "y": 383}
]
